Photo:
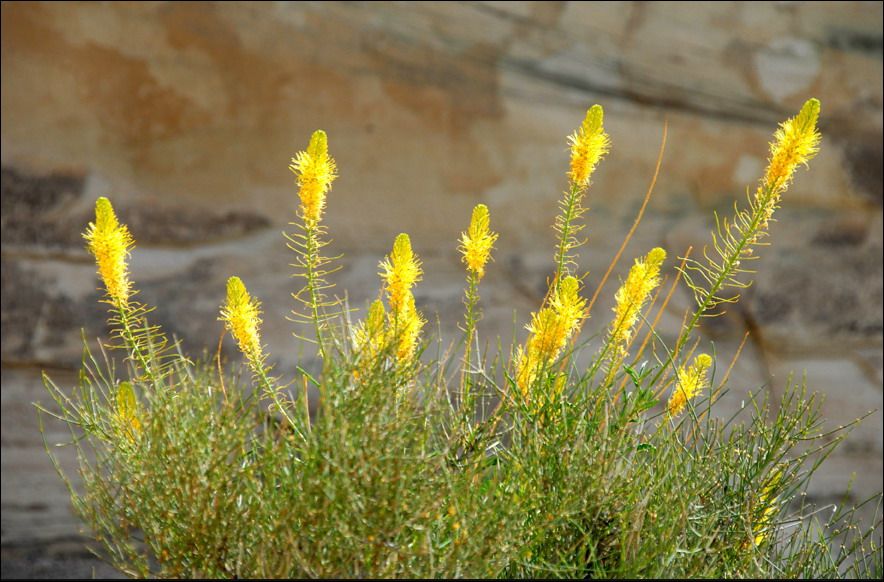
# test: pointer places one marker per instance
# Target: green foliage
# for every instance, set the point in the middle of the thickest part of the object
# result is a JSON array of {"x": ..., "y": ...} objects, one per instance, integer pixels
[{"x": 214, "y": 486}]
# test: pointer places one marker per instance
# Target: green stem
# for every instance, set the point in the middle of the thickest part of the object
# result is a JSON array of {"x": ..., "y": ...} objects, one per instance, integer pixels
[
  {"x": 564, "y": 246},
  {"x": 729, "y": 267},
  {"x": 312, "y": 265},
  {"x": 471, "y": 300},
  {"x": 267, "y": 385},
  {"x": 614, "y": 361},
  {"x": 128, "y": 336}
]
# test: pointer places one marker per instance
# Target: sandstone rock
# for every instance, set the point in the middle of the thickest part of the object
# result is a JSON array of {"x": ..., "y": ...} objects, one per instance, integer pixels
[
  {"x": 36, "y": 209},
  {"x": 36, "y": 504},
  {"x": 821, "y": 281}
]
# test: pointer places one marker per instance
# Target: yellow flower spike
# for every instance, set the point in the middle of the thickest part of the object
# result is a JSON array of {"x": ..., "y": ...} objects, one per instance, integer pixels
[
  {"x": 643, "y": 278},
  {"x": 241, "y": 315},
  {"x": 734, "y": 239},
  {"x": 690, "y": 382},
  {"x": 526, "y": 368},
  {"x": 549, "y": 332},
  {"x": 400, "y": 271},
  {"x": 795, "y": 143},
  {"x": 370, "y": 336},
  {"x": 589, "y": 144},
  {"x": 477, "y": 242},
  {"x": 568, "y": 305},
  {"x": 315, "y": 171},
  {"x": 110, "y": 243},
  {"x": 127, "y": 411},
  {"x": 408, "y": 324}
]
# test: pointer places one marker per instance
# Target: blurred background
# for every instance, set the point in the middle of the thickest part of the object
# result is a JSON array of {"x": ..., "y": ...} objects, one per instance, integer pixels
[{"x": 186, "y": 115}]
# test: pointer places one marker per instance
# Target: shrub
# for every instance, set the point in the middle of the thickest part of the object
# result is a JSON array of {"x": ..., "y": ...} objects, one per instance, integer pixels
[{"x": 473, "y": 463}]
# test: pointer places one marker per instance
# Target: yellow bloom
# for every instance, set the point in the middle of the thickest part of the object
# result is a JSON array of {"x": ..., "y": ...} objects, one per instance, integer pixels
[
  {"x": 408, "y": 325},
  {"x": 796, "y": 142},
  {"x": 315, "y": 171},
  {"x": 643, "y": 278},
  {"x": 400, "y": 271},
  {"x": 110, "y": 244},
  {"x": 370, "y": 336},
  {"x": 127, "y": 411},
  {"x": 568, "y": 304},
  {"x": 546, "y": 334},
  {"x": 477, "y": 242},
  {"x": 589, "y": 144},
  {"x": 549, "y": 332},
  {"x": 689, "y": 383},
  {"x": 241, "y": 315}
]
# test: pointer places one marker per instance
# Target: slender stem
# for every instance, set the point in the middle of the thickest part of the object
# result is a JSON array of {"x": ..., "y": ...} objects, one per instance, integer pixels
[
  {"x": 131, "y": 342},
  {"x": 267, "y": 384},
  {"x": 635, "y": 223},
  {"x": 572, "y": 203},
  {"x": 312, "y": 266},
  {"x": 220, "y": 370},
  {"x": 729, "y": 266},
  {"x": 472, "y": 298},
  {"x": 626, "y": 240},
  {"x": 615, "y": 358}
]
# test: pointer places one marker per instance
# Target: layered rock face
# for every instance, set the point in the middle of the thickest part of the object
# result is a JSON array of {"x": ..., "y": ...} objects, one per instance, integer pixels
[{"x": 186, "y": 116}]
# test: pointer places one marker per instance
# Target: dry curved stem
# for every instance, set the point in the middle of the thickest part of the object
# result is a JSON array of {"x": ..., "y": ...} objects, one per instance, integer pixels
[
  {"x": 218, "y": 363},
  {"x": 629, "y": 235},
  {"x": 638, "y": 219}
]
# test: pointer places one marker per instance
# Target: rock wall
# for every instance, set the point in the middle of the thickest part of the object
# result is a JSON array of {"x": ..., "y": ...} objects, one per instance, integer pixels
[{"x": 186, "y": 115}]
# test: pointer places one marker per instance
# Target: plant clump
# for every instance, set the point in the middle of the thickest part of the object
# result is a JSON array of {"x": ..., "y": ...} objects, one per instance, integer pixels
[{"x": 470, "y": 462}]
